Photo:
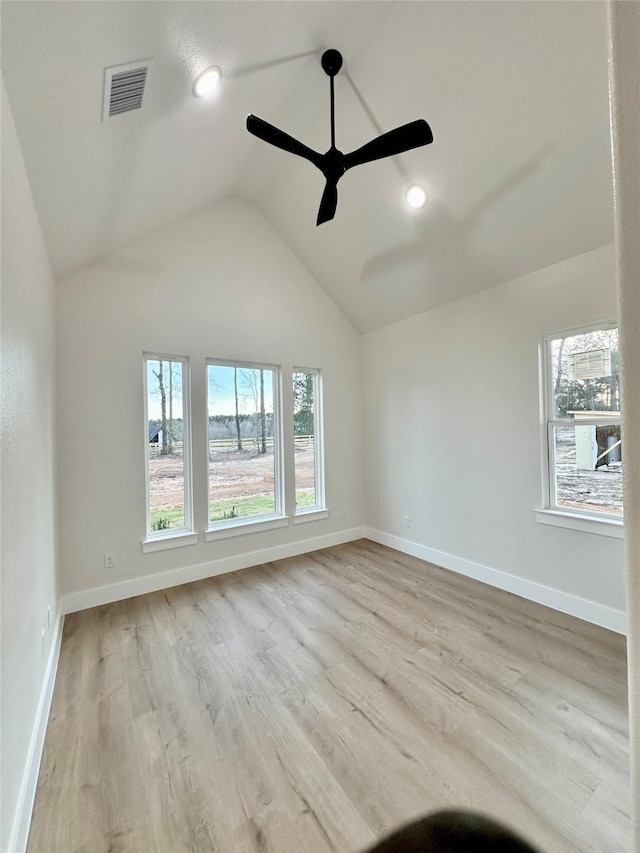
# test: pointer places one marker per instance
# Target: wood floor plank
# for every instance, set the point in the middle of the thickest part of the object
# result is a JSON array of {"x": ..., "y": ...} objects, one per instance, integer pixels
[{"x": 315, "y": 703}]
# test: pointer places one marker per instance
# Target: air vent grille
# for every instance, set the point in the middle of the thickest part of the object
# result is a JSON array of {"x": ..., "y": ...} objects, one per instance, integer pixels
[{"x": 124, "y": 88}]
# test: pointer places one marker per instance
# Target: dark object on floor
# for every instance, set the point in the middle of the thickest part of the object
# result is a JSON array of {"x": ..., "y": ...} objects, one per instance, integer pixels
[{"x": 453, "y": 831}]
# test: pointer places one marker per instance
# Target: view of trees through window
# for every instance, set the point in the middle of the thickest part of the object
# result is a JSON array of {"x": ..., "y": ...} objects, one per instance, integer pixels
[
  {"x": 243, "y": 443},
  {"x": 305, "y": 448},
  {"x": 242, "y": 450},
  {"x": 165, "y": 380},
  {"x": 584, "y": 426}
]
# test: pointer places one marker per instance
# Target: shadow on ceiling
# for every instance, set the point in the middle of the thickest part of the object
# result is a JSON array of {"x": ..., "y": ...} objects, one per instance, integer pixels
[
  {"x": 442, "y": 244},
  {"x": 262, "y": 66}
]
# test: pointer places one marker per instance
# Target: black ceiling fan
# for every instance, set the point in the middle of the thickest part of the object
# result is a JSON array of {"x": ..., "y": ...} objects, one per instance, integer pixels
[{"x": 333, "y": 163}]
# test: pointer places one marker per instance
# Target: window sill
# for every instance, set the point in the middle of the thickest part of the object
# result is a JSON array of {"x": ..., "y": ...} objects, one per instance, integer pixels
[
  {"x": 587, "y": 524},
  {"x": 173, "y": 540},
  {"x": 312, "y": 514},
  {"x": 244, "y": 526}
]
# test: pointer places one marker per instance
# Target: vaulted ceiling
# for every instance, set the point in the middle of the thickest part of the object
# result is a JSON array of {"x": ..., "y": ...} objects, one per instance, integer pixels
[{"x": 518, "y": 175}]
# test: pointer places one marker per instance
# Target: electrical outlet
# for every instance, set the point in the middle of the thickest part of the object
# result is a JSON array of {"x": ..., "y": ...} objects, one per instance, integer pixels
[
  {"x": 109, "y": 560},
  {"x": 406, "y": 521},
  {"x": 343, "y": 513}
]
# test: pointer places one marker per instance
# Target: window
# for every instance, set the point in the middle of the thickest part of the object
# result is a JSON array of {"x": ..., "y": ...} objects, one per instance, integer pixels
[
  {"x": 245, "y": 477},
  {"x": 307, "y": 429},
  {"x": 168, "y": 446},
  {"x": 582, "y": 420}
]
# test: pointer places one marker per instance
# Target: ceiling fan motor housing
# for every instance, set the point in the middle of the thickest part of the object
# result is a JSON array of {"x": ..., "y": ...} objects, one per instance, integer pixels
[{"x": 331, "y": 62}]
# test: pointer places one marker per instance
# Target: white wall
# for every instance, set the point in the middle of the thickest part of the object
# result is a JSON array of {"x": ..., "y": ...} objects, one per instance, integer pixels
[
  {"x": 624, "y": 82},
  {"x": 452, "y": 435},
  {"x": 219, "y": 284},
  {"x": 28, "y": 551}
]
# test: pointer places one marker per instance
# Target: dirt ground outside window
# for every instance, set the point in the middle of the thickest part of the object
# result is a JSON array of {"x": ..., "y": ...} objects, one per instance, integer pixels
[{"x": 234, "y": 474}]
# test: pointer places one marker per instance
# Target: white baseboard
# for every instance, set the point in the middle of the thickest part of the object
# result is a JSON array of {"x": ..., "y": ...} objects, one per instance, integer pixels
[
  {"x": 590, "y": 611},
  {"x": 99, "y": 595},
  {"x": 27, "y": 794}
]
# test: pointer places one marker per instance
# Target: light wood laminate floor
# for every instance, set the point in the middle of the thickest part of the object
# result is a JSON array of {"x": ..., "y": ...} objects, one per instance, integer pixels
[{"x": 316, "y": 703}]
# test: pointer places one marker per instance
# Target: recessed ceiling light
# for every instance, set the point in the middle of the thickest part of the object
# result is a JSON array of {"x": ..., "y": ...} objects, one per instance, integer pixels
[
  {"x": 207, "y": 82},
  {"x": 416, "y": 197}
]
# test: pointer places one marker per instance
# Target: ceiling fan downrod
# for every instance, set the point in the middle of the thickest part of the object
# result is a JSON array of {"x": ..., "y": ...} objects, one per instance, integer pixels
[{"x": 332, "y": 63}]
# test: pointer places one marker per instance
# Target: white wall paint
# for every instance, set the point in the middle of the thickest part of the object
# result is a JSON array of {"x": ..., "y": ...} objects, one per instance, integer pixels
[
  {"x": 220, "y": 284},
  {"x": 28, "y": 562},
  {"x": 452, "y": 435},
  {"x": 624, "y": 81}
]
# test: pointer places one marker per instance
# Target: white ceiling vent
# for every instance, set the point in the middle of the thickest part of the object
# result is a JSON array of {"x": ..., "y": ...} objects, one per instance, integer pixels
[{"x": 124, "y": 88}]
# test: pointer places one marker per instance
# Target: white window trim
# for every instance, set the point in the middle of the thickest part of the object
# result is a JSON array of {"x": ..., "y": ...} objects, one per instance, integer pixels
[
  {"x": 550, "y": 512},
  {"x": 319, "y": 509},
  {"x": 243, "y": 526},
  {"x": 163, "y": 536},
  {"x": 310, "y": 513},
  {"x": 585, "y": 522},
  {"x": 236, "y": 527},
  {"x": 171, "y": 540}
]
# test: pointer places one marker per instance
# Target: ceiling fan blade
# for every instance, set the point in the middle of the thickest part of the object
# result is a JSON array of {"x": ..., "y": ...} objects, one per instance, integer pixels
[
  {"x": 403, "y": 138},
  {"x": 267, "y": 132},
  {"x": 328, "y": 203}
]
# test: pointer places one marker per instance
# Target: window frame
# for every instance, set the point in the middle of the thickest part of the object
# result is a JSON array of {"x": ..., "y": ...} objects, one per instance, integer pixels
[
  {"x": 186, "y": 535},
  {"x": 235, "y": 527},
  {"x": 319, "y": 509},
  {"x": 594, "y": 521}
]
